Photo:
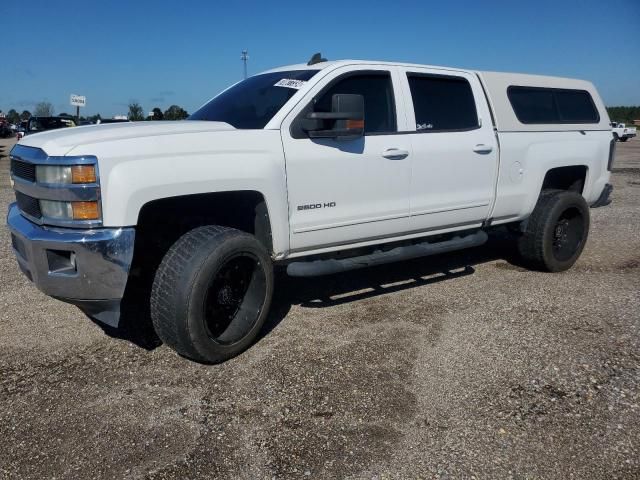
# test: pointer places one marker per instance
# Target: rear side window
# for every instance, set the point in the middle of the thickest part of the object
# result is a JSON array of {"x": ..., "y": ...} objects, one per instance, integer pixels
[
  {"x": 576, "y": 106},
  {"x": 534, "y": 105},
  {"x": 442, "y": 103},
  {"x": 377, "y": 90}
]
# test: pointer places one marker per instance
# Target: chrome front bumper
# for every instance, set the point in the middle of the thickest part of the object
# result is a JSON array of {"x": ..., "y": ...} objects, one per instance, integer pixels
[{"x": 88, "y": 268}]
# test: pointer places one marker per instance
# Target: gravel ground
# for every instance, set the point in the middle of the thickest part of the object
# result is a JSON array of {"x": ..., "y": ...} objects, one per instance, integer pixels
[{"x": 483, "y": 371}]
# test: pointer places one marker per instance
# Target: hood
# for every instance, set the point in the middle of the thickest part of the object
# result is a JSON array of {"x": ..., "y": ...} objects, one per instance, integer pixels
[{"x": 59, "y": 142}]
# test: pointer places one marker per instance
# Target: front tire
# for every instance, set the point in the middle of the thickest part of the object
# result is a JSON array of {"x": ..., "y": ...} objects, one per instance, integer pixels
[
  {"x": 556, "y": 231},
  {"x": 212, "y": 293},
  {"x": 624, "y": 139}
]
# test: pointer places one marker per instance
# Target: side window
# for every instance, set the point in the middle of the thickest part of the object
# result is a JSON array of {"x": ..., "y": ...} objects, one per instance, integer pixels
[
  {"x": 377, "y": 90},
  {"x": 442, "y": 103},
  {"x": 576, "y": 106},
  {"x": 535, "y": 105}
]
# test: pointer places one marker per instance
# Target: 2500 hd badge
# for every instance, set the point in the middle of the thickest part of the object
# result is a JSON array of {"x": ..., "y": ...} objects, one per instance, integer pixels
[{"x": 314, "y": 206}]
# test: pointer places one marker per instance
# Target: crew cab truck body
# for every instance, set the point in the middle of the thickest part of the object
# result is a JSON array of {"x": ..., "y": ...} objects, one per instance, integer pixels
[
  {"x": 320, "y": 168},
  {"x": 621, "y": 132}
]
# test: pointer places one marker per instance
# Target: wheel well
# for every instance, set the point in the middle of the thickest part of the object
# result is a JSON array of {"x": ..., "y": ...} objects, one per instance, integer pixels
[
  {"x": 566, "y": 178},
  {"x": 169, "y": 218},
  {"x": 161, "y": 222}
]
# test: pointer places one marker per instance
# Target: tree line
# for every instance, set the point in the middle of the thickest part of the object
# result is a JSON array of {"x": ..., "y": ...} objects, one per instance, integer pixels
[
  {"x": 624, "y": 114},
  {"x": 13, "y": 116},
  {"x": 176, "y": 112},
  {"x": 135, "y": 113}
]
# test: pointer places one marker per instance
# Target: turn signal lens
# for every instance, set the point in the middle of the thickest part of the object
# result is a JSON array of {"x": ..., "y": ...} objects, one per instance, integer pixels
[
  {"x": 85, "y": 210},
  {"x": 355, "y": 124},
  {"x": 83, "y": 174}
]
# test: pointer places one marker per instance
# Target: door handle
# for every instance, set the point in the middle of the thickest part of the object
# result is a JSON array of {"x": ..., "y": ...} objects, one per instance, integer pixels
[
  {"x": 482, "y": 148},
  {"x": 395, "y": 154}
]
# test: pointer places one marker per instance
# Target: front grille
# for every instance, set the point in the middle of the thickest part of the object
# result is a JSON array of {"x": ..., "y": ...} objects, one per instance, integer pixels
[
  {"x": 23, "y": 170},
  {"x": 29, "y": 205}
]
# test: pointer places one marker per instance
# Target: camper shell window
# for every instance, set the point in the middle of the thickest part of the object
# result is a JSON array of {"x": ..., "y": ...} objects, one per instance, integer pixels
[{"x": 537, "y": 105}]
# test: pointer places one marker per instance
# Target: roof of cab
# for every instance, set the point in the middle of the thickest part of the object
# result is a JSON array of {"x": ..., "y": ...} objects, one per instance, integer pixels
[
  {"x": 339, "y": 63},
  {"x": 496, "y": 85}
]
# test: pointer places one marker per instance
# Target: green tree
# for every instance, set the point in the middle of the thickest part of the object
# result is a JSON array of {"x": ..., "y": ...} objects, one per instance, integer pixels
[
  {"x": 624, "y": 114},
  {"x": 43, "y": 109},
  {"x": 13, "y": 116},
  {"x": 135, "y": 111},
  {"x": 157, "y": 114},
  {"x": 94, "y": 118},
  {"x": 175, "y": 112},
  {"x": 25, "y": 115}
]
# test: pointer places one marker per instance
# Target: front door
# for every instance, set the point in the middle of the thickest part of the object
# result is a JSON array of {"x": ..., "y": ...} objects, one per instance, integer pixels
[{"x": 348, "y": 191}]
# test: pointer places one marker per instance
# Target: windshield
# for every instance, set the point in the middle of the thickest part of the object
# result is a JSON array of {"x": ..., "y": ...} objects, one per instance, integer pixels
[{"x": 252, "y": 103}]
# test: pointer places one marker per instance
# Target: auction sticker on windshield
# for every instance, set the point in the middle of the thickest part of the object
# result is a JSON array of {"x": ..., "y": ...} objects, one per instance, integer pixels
[{"x": 290, "y": 83}]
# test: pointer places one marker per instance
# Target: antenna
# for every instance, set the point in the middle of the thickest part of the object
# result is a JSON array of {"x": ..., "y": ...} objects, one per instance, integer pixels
[
  {"x": 244, "y": 57},
  {"x": 316, "y": 58}
]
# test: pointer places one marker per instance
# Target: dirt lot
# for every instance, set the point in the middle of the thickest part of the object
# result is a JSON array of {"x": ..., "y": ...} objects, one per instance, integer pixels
[{"x": 488, "y": 371}]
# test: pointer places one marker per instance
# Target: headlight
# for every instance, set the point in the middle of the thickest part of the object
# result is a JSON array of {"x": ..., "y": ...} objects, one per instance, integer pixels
[
  {"x": 58, "y": 174},
  {"x": 69, "y": 210}
]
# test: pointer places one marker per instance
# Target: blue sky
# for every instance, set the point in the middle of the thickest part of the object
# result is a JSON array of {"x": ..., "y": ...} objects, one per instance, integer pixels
[{"x": 160, "y": 53}]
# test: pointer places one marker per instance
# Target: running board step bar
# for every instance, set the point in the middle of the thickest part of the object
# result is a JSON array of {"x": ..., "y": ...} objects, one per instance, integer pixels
[{"x": 326, "y": 267}]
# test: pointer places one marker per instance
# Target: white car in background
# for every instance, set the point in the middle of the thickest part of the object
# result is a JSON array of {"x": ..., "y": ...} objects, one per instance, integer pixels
[{"x": 621, "y": 132}]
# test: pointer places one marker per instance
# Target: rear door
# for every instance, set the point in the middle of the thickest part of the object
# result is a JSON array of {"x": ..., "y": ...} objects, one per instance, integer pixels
[{"x": 455, "y": 154}]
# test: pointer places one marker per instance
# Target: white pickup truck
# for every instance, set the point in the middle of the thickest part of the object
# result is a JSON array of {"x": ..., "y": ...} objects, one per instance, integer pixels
[
  {"x": 621, "y": 132},
  {"x": 320, "y": 168}
]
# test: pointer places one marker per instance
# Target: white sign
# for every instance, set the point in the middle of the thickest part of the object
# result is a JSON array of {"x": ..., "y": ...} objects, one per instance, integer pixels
[
  {"x": 290, "y": 83},
  {"x": 78, "y": 100}
]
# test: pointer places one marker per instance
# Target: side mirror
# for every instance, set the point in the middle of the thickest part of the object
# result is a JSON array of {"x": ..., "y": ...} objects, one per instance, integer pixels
[{"x": 345, "y": 121}]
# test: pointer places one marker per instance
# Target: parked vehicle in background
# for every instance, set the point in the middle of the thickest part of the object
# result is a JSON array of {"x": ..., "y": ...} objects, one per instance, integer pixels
[
  {"x": 42, "y": 124},
  {"x": 111, "y": 120},
  {"x": 319, "y": 168},
  {"x": 621, "y": 132},
  {"x": 21, "y": 128},
  {"x": 5, "y": 130}
]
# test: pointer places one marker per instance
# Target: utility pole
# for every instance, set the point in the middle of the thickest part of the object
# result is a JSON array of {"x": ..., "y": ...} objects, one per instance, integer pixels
[{"x": 244, "y": 57}]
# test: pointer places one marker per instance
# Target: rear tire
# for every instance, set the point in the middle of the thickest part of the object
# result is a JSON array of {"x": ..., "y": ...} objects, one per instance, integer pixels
[
  {"x": 212, "y": 293},
  {"x": 556, "y": 231}
]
